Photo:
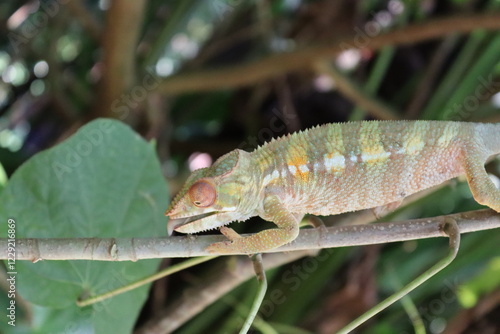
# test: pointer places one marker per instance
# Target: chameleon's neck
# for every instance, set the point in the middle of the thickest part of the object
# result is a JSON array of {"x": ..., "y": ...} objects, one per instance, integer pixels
[{"x": 490, "y": 134}]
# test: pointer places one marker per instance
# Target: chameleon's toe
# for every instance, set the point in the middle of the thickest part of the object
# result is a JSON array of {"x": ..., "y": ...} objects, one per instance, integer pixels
[
  {"x": 240, "y": 245},
  {"x": 224, "y": 247}
]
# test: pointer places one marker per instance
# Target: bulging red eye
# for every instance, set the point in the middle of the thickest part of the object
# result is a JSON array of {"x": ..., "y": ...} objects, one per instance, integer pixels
[{"x": 202, "y": 194}]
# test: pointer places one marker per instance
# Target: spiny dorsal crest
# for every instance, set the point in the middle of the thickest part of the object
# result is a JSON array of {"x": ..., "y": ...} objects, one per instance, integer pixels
[{"x": 226, "y": 163}]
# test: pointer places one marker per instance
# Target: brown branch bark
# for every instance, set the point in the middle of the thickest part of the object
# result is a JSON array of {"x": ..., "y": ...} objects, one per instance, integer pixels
[
  {"x": 123, "y": 25},
  {"x": 134, "y": 249},
  {"x": 278, "y": 64}
]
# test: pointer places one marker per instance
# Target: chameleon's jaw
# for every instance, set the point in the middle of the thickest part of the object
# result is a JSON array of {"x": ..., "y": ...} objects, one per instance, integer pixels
[{"x": 200, "y": 223}]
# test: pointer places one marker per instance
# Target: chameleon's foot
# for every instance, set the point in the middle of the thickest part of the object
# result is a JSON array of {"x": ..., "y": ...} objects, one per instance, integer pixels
[
  {"x": 255, "y": 243},
  {"x": 226, "y": 247},
  {"x": 234, "y": 244},
  {"x": 482, "y": 187}
]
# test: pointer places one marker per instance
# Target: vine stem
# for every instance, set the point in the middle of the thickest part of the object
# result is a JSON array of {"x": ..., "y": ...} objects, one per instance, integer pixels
[
  {"x": 260, "y": 273},
  {"x": 451, "y": 229}
]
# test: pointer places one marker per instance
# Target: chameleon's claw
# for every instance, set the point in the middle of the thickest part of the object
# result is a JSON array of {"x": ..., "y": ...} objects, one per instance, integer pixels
[{"x": 230, "y": 246}]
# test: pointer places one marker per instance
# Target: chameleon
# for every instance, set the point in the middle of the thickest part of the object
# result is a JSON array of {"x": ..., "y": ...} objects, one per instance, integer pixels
[{"x": 331, "y": 169}]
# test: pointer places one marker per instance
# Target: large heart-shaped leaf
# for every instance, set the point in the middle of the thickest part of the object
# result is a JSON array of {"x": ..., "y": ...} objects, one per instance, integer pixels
[{"x": 105, "y": 181}]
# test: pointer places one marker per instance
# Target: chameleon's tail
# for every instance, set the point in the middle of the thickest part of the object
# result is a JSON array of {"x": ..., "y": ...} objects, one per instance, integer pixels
[{"x": 490, "y": 134}]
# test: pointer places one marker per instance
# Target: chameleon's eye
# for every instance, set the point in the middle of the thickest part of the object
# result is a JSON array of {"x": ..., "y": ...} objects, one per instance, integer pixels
[{"x": 202, "y": 194}]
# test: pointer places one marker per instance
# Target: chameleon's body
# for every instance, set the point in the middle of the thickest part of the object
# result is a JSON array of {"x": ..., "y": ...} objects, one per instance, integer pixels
[{"x": 332, "y": 169}]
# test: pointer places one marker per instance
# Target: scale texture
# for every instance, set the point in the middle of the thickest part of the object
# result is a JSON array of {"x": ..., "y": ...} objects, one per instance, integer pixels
[{"x": 331, "y": 169}]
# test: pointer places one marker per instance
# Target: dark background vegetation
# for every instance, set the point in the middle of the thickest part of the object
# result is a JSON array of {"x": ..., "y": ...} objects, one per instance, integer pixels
[{"x": 201, "y": 78}]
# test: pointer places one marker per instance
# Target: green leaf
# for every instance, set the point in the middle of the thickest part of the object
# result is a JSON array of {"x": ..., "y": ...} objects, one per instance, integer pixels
[{"x": 105, "y": 181}]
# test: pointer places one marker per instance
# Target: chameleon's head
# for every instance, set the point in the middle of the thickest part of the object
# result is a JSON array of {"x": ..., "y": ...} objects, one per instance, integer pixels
[{"x": 215, "y": 196}]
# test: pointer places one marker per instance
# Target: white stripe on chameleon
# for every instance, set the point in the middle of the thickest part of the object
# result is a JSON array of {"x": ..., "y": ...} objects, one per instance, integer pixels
[
  {"x": 375, "y": 157},
  {"x": 335, "y": 162},
  {"x": 414, "y": 141},
  {"x": 370, "y": 143},
  {"x": 292, "y": 169},
  {"x": 401, "y": 151},
  {"x": 450, "y": 131},
  {"x": 270, "y": 177},
  {"x": 303, "y": 169}
]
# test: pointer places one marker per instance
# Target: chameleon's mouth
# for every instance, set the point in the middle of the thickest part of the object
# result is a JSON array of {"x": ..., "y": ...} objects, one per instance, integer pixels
[{"x": 193, "y": 224}]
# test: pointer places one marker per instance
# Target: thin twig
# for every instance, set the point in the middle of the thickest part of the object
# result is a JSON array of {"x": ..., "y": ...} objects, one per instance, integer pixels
[
  {"x": 408, "y": 305},
  {"x": 133, "y": 249},
  {"x": 261, "y": 292},
  {"x": 451, "y": 229}
]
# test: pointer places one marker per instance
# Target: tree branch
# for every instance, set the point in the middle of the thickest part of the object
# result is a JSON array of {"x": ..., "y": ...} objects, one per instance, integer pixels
[
  {"x": 134, "y": 249},
  {"x": 118, "y": 53},
  {"x": 278, "y": 64}
]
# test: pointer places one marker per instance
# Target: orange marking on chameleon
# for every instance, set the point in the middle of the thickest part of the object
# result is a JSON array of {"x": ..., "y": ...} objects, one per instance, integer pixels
[{"x": 298, "y": 167}]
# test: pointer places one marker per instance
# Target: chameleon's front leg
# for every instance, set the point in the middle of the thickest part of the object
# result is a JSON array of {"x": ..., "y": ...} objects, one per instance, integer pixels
[
  {"x": 483, "y": 189},
  {"x": 275, "y": 211}
]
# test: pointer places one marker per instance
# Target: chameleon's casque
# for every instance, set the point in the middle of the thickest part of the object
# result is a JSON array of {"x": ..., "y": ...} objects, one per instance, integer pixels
[{"x": 331, "y": 169}]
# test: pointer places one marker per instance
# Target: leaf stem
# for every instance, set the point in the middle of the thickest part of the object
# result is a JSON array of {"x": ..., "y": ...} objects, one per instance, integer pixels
[{"x": 168, "y": 271}]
